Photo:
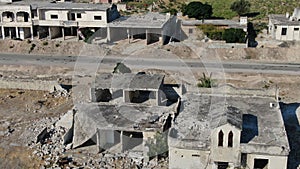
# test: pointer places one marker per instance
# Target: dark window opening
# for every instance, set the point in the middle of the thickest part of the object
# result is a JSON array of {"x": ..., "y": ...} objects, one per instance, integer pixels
[
  {"x": 230, "y": 139},
  {"x": 97, "y": 17},
  {"x": 190, "y": 31},
  {"x": 195, "y": 155},
  {"x": 72, "y": 16},
  {"x": 131, "y": 140},
  {"x": 283, "y": 31},
  {"x": 54, "y": 16},
  {"x": 244, "y": 159},
  {"x": 220, "y": 139},
  {"x": 222, "y": 165},
  {"x": 78, "y": 15},
  {"x": 101, "y": 95},
  {"x": 296, "y": 29},
  {"x": 261, "y": 163},
  {"x": 141, "y": 96}
]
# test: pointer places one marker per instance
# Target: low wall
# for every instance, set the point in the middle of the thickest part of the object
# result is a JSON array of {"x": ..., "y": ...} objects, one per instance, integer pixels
[{"x": 27, "y": 84}]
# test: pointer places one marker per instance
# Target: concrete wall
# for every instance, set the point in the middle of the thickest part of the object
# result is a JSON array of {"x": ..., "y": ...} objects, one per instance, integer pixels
[
  {"x": 275, "y": 162},
  {"x": 46, "y": 14},
  {"x": 30, "y": 85},
  {"x": 225, "y": 153},
  {"x": 188, "y": 159}
]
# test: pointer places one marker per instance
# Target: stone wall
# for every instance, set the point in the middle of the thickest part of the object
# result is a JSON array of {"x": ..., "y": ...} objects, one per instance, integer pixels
[{"x": 50, "y": 86}]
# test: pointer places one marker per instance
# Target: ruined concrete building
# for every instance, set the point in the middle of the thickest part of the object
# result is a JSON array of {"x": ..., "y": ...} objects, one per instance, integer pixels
[
  {"x": 125, "y": 111},
  {"x": 285, "y": 27},
  {"x": 223, "y": 130}
]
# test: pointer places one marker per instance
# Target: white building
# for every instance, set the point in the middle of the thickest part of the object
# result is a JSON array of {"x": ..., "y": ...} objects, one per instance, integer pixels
[
  {"x": 51, "y": 20},
  {"x": 285, "y": 27}
]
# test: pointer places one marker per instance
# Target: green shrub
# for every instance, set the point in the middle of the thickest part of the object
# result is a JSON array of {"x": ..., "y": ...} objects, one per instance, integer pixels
[
  {"x": 212, "y": 32},
  {"x": 206, "y": 82},
  {"x": 45, "y": 43},
  {"x": 234, "y": 35},
  {"x": 32, "y": 47}
]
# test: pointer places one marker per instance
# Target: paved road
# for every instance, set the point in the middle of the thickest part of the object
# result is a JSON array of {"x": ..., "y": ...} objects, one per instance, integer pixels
[{"x": 90, "y": 62}]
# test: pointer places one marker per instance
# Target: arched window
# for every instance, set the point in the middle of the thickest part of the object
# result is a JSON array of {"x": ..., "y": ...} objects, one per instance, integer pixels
[
  {"x": 230, "y": 139},
  {"x": 220, "y": 139}
]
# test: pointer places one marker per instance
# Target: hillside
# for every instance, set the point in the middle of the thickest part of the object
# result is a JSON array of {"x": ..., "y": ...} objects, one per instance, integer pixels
[{"x": 221, "y": 8}]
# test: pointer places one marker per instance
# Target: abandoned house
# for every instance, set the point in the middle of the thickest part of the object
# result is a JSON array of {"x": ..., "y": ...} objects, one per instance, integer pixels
[
  {"x": 124, "y": 112},
  {"x": 16, "y": 21},
  {"x": 285, "y": 27},
  {"x": 24, "y": 19},
  {"x": 153, "y": 27},
  {"x": 221, "y": 131},
  {"x": 190, "y": 27}
]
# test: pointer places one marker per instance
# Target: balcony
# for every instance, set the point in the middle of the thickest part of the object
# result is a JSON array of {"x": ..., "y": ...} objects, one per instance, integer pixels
[{"x": 69, "y": 23}]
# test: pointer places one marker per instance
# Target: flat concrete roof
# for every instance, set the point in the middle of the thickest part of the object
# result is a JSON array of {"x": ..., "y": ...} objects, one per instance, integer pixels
[
  {"x": 127, "y": 117},
  {"x": 282, "y": 20},
  {"x": 217, "y": 22},
  {"x": 46, "y": 4},
  {"x": 194, "y": 123},
  {"x": 129, "y": 81},
  {"x": 149, "y": 20}
]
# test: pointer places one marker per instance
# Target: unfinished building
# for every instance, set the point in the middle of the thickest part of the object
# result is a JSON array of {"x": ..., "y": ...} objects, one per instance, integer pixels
[
  {"x": 153, "y": 27},
  {"x": 73, "y": 19},
  {"x": 222, "y": 130},
  {"x": 125, "y": 111},
  {"x": 16, "y": 21},
  {"x": 43, "y": 19}
]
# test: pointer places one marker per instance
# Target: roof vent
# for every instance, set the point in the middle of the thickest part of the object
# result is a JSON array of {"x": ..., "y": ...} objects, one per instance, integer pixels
[
  {"x": 272, "y": 105},
  {"x": 287, "y": 15}
]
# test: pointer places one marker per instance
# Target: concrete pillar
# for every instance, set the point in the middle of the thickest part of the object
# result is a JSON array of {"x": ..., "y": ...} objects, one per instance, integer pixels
[
  {"x": 147, "y": 38},
  {"x": 31, "y": 32},
  {"x": 3, "y": 34},
  {"x": 15, "y": 17},
  {"x": 9, "y": 30},
  {"x": 126, "y": 96},
  {"x": 108, "y": 38},
  {"x": 121, "y": 140},
  {"x": 1, "y": 17},
  {"x": 17, "y": 32},
  {"x": 63, "y": 32},
  {"x": 158, "y": 98},
  {"x": 128, "y": 35},
  {"x": 49, "y": 30},
  {"x": 98, "y": 140}
]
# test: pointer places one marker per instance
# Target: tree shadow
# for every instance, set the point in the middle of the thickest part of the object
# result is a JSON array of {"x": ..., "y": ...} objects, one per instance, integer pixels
[
  {"x": 251, "y": 35},
  {"x": 292, "y": 128},
  {"x": 251, "y": 14}
]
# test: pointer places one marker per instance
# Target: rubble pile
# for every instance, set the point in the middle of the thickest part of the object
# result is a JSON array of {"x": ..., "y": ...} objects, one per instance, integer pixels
[{"x": 55, "y": 154}]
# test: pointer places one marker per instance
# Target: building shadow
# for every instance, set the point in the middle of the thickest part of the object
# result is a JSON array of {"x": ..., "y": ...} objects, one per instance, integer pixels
[
  {"x": 250, "y": 128},
  {"x": 292, "y": 128}
]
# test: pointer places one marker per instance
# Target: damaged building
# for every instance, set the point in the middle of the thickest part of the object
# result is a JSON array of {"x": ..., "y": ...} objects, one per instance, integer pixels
[
  {"x": 222, "y": 130},
  {"x": 125, "y": 111}
]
